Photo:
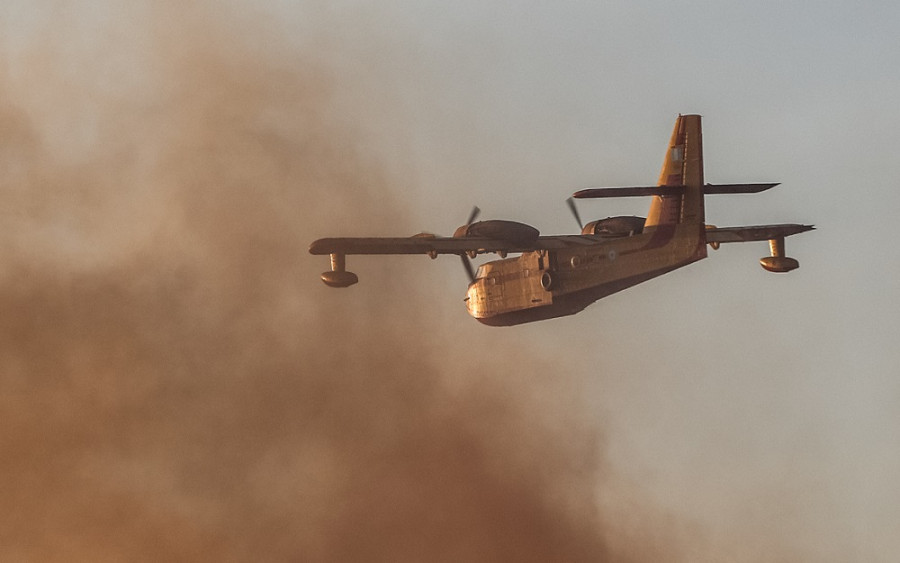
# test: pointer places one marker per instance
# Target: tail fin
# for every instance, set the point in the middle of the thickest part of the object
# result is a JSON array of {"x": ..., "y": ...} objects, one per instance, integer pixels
[{"x": 683, "y": 166}]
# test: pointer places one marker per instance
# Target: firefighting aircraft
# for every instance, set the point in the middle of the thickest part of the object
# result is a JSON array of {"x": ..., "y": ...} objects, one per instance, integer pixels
[{"x": 560, "y": 275}]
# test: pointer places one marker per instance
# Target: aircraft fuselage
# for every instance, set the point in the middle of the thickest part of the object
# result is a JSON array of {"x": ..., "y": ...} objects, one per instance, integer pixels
[{"x": 544, "y": 284}]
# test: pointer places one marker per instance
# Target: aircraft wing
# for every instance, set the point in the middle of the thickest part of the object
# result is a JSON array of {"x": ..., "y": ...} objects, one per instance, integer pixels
[
  {"x": 433, "y": 245},
  {"x": 444, "y": 245},
  {"x": 760, "y": 232}
]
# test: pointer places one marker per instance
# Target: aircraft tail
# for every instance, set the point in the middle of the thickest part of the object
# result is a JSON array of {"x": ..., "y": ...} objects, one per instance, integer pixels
[{"x": 682, "y": 166}]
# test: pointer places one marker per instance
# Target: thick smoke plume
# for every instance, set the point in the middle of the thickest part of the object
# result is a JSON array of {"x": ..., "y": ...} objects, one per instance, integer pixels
[{"x": 175, "y": 384}]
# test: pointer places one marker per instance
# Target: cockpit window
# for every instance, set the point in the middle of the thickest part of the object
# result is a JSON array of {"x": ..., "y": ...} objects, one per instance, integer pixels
[{"x": 481, "y": 272}]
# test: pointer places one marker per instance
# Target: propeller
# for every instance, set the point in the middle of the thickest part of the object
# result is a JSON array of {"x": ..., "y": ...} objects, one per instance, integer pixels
[
  {"x": 467, "y": 263},
  {"x": 473, "y": 215},
  {"x": 571, "y": 203}
]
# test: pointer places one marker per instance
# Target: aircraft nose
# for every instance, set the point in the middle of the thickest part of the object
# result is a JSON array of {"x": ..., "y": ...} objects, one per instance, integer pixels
[{"x": 471, "y": 299}]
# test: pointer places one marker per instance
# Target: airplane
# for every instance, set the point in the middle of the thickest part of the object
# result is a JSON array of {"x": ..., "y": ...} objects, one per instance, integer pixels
[{"x": 560, "y": 275}]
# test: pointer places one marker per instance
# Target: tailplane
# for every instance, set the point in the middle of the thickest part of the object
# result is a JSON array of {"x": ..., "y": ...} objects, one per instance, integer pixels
[{"x": 682, "y": 166}]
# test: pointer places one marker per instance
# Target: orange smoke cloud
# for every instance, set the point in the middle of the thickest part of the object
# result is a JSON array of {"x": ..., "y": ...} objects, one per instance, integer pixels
[{"x": 175, "y": 385}]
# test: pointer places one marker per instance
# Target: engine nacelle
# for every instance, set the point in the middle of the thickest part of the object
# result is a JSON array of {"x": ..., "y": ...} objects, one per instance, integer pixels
[
  {"x": 621, "y": 226},
  {"x": 511, "y": 231}
]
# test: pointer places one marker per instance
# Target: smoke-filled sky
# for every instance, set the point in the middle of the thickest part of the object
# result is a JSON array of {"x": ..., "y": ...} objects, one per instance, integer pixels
[{"x": 177, "y": 384}]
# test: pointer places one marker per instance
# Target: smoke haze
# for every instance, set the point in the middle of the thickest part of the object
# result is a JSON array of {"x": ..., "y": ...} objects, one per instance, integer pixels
[{"x": 177, "y": 385}]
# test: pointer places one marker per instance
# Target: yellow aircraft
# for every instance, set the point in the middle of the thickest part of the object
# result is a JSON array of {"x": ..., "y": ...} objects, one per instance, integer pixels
[{"x": 560, "y": 275}]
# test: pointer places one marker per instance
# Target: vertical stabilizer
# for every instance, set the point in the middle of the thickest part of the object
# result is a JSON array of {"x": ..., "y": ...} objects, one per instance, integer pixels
[{"x": 682, "y": 166}]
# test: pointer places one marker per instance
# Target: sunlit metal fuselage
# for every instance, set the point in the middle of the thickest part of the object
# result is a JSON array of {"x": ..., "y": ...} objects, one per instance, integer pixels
[{"x": 554, "y": 283}]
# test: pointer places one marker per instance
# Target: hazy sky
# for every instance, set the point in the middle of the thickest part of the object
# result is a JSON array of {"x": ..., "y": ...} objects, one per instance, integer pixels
[{"x": 761, "y": 411}]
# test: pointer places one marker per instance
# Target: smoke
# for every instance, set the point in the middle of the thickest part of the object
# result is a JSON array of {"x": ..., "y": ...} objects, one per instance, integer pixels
[{"x": 176, "y": 384}]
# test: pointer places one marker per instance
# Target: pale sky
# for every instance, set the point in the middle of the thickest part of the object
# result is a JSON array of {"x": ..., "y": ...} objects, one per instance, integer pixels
[
  {"x": 751, "y": 385},
  {"x": 758, "y": 408}
]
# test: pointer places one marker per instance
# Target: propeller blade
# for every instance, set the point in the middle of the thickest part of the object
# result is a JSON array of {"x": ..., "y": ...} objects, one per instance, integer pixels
[
  {"x": 473, "y": 215},
  {"x": 467, "y": 264},
  {"x": 571, "y": 202}
]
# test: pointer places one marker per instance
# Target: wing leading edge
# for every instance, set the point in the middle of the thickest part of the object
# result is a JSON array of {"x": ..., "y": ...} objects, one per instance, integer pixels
[
  {"x": 443, "y": 245},
  {"x": 451, "y": 245}
]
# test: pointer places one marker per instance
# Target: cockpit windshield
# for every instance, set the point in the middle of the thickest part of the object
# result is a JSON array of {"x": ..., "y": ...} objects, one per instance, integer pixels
[{"x": 481, "y": 273}]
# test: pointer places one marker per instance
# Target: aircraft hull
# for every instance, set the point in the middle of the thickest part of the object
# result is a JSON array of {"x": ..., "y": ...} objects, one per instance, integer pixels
[
  {"x": 570, "y": 304},
  {"x": 545, "y": 285}
]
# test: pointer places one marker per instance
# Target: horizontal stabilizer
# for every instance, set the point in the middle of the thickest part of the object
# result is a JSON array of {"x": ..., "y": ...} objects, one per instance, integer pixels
[
  {"x": 710, "y": 189},
  {"x": 638, "y": 191},
  {"x": 423, "y": 245},
  {"x": 760, "y": 232},
  {"x": 635, "y": 191}
]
